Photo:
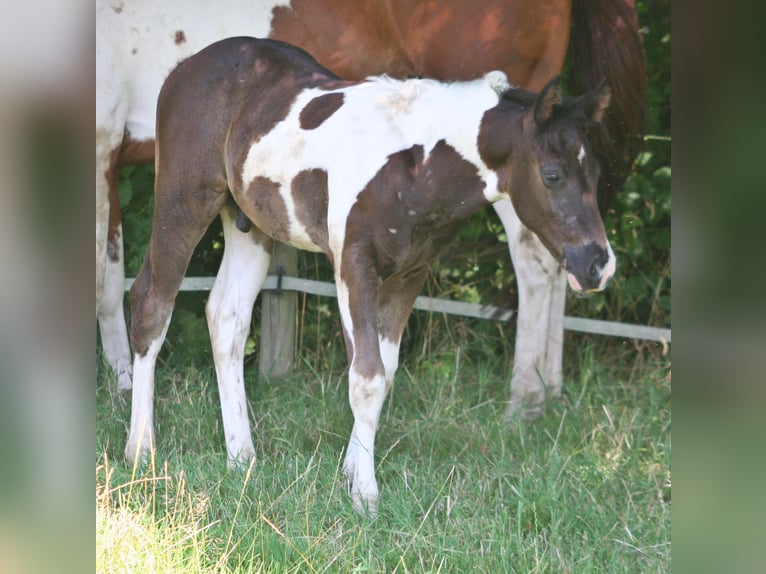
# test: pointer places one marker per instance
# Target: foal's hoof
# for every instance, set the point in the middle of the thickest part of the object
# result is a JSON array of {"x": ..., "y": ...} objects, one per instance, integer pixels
[
  {"x": 365, "y": 505},
  {"x": 137, "y": 455},
  {"x": 244, "y": 460}
]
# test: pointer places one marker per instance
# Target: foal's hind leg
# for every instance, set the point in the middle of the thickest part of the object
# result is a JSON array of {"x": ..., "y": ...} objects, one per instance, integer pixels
[
  {"x": 229, "y": 309},
  {"x": 180, "y": 220}
]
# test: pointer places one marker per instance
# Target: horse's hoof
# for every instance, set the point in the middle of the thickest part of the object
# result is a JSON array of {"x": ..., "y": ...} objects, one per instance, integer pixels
[{"x": 524, "y": 412}]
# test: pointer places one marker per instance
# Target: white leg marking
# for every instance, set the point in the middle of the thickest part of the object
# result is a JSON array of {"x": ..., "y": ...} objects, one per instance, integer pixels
[
  {"x": 539, "y": 328},
  {"x": 229, "y": 309},
  {"x": 111, "y": 319},
  {"x": 345, "y": 314},
  {"x": 141, "y": 438},
  {"x": 366, "y": 397},
  {"x": 389, "y": 353}
]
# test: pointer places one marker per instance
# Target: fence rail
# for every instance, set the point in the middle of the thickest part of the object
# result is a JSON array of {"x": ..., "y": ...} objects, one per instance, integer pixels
[{"x": 579, "y": 324}]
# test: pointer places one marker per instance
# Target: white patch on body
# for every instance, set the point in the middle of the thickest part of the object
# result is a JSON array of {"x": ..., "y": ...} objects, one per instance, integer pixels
[
  {"x": 498, "y": 81},
  {"x": 138, "y": 43},
  {"x": 144, "y": 31},
  {"x": 378, "y": 118}
]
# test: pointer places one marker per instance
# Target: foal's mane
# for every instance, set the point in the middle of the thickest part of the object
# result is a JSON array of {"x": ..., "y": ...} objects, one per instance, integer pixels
[{"x": 519, "y": 96}]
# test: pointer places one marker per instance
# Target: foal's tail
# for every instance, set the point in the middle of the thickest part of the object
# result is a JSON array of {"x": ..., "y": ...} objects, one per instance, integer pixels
[{"x": 605, "y": 42}]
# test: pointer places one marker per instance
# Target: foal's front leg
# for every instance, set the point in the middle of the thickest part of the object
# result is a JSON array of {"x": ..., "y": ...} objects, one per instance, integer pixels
[{"x": 366, "y": 388}]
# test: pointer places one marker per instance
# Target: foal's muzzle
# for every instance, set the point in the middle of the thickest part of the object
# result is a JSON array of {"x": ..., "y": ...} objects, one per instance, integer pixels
[{"x": 589, "y": 267}]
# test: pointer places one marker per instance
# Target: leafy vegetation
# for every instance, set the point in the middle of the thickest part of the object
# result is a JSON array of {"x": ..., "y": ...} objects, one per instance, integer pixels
[{"x": 638, "y": 224}]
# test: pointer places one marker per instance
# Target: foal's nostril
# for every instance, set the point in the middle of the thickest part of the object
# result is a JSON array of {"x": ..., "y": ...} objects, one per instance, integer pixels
[
  {"x": 594, "y": 271},
  {"x": 597, "y": 266}
]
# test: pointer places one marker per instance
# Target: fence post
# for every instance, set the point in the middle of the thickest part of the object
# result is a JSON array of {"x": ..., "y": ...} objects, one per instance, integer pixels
[{"x": 278, "y": 316}]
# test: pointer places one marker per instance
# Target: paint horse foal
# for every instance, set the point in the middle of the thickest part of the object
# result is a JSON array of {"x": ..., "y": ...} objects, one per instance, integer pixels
[{"x": 375, "y": 174}]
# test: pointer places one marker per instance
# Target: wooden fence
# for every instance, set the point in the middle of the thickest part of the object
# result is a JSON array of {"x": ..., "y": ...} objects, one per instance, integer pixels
[{"x": 279, "y": 305}]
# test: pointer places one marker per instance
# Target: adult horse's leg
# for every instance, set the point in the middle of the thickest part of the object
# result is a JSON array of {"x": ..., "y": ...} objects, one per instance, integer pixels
[
  {"x": 180, "y": 220},
  {"x": 229, "y": 309},
  {"x": 111, "y": 315},
  {"x": 111, "y": 114},
  {"x": 110, "y": 272},
  {"x": 539, "y": 328}
]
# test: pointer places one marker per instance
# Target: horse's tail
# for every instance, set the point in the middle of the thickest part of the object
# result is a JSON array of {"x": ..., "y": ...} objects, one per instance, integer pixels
[{"x": 605, "y": 42}]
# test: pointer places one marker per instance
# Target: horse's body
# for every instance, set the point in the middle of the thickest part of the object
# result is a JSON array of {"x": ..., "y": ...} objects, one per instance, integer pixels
[
  {"x": 139, "y": 42},
  {"x": 375, "y": 174}
]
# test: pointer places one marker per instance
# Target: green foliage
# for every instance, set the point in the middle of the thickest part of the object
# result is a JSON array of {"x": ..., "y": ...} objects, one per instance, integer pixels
[{"x": 478, "y": 268}]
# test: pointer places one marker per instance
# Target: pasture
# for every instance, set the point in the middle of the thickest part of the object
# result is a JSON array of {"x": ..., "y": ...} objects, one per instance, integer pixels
[{"x": 585, "y": 488}]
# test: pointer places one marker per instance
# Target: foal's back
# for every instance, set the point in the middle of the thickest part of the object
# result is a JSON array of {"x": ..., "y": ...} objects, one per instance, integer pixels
[{"x": 252, "y": 80}]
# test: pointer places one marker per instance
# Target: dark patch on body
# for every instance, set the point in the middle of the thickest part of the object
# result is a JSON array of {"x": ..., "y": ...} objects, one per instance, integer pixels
[
  {"x": 319, "y": 109},
  {"x": 268, "y": 76},
  {"x": 409, "y": 210},
  {"x": 265, "y": 207},
  {"x": 405, "y": 216},
  {"x": 134, "y": 151},
  {"x": 310, "y": 197},
  {"x": 180, "y": 37},
  {"x": 526, "y": 237}
]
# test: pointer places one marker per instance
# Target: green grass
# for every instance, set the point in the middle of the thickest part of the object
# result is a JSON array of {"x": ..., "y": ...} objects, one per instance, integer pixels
[{"x": 586, "y": 488}]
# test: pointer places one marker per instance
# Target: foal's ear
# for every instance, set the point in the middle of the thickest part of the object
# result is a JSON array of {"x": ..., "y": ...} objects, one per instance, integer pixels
[
  {"x": 550, "y": 97},
  {"x": 597, "y": 101}
]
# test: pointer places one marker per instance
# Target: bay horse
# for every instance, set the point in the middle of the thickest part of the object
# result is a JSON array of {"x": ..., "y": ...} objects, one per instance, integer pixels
[
  {"x": 377, "y": 175},
  {"x": 140, "y": 41}
]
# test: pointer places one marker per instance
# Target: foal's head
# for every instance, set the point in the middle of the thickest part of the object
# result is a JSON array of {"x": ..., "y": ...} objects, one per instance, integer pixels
[{"x": 551, "y": 177}]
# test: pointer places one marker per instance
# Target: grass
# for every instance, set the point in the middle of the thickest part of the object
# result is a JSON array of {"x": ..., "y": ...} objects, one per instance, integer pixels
[{"x": 586, "y": 488}]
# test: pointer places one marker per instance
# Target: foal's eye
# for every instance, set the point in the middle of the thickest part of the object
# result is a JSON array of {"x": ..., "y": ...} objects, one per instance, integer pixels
[{"x": 553, "y": 176}]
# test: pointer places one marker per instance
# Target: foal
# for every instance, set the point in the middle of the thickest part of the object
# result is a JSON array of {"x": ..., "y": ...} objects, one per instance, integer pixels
[{"x": 378, "y": 175}]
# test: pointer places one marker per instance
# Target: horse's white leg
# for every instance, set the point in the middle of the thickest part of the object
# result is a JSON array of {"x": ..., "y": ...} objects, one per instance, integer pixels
[
  {"x": 229, "y": 309},
  {"x": 539, "y": 330},
  {"x": 373, "y": 367},
  {"x": 366, "y": 392},
  {"x": 111, "y": 114},
  {"x": 366, "y": 395},
  {"x": 141, "y": 436},
  {"x": 102, "y": 219},
  {"x": 111, "y": 316}
]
